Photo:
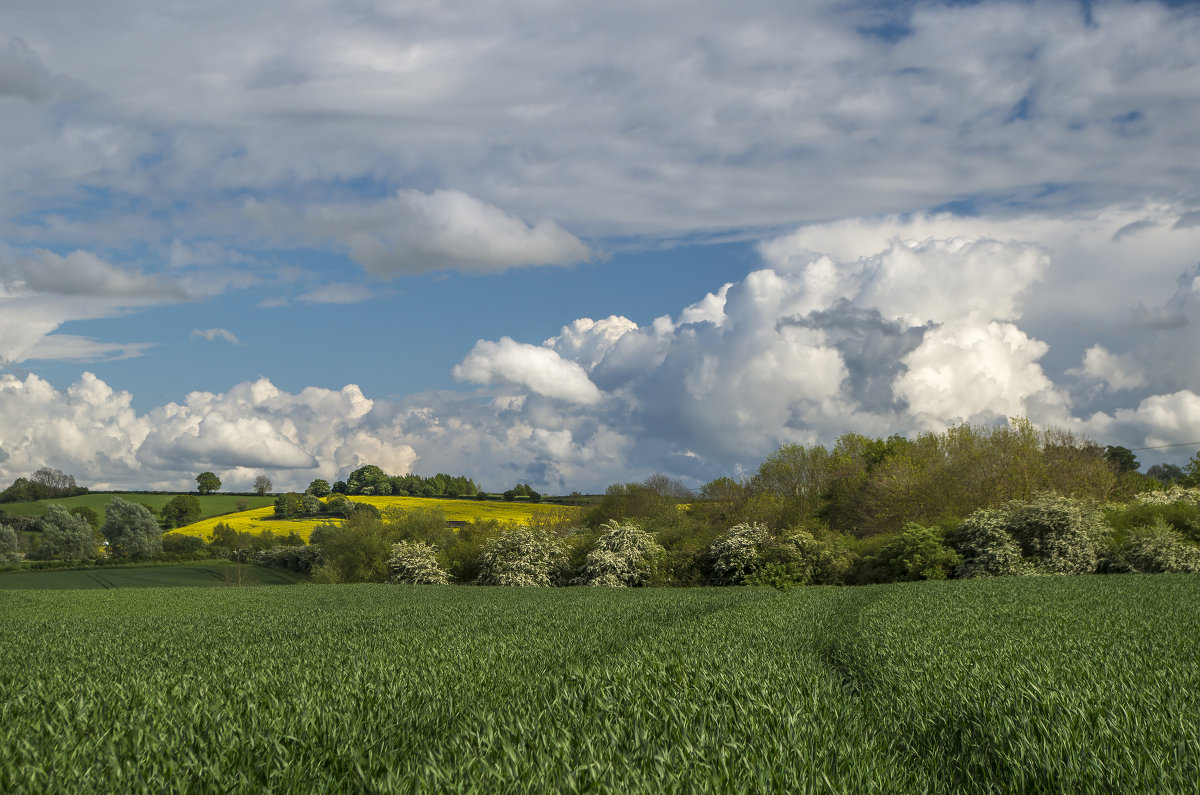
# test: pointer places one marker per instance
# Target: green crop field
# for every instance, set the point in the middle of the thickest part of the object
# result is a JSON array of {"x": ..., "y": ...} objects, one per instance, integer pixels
[
  {"x": 204, "y": 573},
  {"x": 210, "y": 504},
  {"x": 1050, "y": 684}
]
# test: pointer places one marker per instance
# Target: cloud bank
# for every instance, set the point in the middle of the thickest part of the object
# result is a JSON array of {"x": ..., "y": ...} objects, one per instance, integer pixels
[{"x": 883, "y": 332}]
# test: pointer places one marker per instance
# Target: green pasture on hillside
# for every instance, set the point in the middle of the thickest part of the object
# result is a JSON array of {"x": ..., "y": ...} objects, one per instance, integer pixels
[
  {"x": 196, "y": 574},
  {"x": 1046, "y": 684},
  {"x": 210, "y": 504}
]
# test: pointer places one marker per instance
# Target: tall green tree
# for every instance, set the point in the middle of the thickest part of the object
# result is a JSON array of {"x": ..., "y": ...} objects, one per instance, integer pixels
[
  {"x": 66, "y": 536},
  {"x": 207, "y": 483},
  {"x": 9, "y": 554},
  {"x": 131, "y": 530},
  {"x": 1122, "y": 458},
  {"x": 181, "y": 510}
]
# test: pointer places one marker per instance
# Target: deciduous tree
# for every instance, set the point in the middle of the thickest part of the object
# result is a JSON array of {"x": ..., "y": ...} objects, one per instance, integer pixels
[
  {"x": 131, "y": 530},
  {"x": 207, "y": 482},
  {"x": 66, "y": 536},
  {"x": 181, "y": 510}
]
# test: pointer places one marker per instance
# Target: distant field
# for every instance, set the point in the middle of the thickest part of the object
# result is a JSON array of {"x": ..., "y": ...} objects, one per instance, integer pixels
[
  {"x": 210, "y": 504},
  {"x": 1020, "y": 684},
  {"x": 203, "y": 574},
  {"x": 260, "y": 519}
]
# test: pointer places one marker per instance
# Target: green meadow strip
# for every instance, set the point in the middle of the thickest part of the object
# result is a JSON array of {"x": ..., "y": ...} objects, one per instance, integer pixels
[{"x": 1082, "y": 684}]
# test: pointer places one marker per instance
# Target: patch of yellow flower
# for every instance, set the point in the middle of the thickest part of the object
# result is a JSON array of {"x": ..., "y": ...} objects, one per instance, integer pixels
[{"x": 260, "y": 519}]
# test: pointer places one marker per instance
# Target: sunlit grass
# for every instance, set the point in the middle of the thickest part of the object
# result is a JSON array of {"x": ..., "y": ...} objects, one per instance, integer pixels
[{"x": 1048, "y": 684}]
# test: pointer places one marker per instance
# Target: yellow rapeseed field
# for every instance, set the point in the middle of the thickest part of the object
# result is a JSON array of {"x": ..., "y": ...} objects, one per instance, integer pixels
[{"x": 260, "y": 519}]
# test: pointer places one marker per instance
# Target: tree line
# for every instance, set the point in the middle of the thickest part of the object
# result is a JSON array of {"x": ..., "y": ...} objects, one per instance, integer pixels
[
  {"x": 46, "y": 483},
  {"x": 969, "y": 501}
]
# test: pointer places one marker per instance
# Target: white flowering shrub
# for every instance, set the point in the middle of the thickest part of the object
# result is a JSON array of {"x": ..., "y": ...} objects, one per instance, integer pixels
[
  {"x": 522, "y": 556},
  {"x": 1058, "y": 535},
  {"x": 1155, "y": 549},
  {"x": 987, "y": 547},
  {"x": 624, "y": 557},
  {"x": 1175, "y": 494},
  {"x": 1050, "y": 534},
  {"x": 415, "y": 563},
  {"x": 738, "y": 552}
]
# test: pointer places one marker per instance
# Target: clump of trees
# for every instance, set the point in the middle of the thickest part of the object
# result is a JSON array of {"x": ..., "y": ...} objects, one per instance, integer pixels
[
  {"x": 970, "y": 501},
  {"x": 522, "y": 491},
  {"x": 370, "y": 480},
  {"x": 46, "y": 483}
]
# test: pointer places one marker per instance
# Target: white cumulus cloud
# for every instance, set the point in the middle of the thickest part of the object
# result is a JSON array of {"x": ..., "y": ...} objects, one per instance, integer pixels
[{"x": 535, "y": 367}]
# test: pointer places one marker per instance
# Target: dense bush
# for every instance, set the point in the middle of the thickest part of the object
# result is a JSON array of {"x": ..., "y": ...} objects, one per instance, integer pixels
[
  {"x": 917, "y": 553},
  {"x": 9, "y": 553},
  {"x": 1155, "y": 549},
  {"x": 415, "y": 563},
  {"x": 463, "y": 548},
  {"x": 987, "y": 547},
  {"x": 290, "y": 505},
  {"x": 241, "y": 546},
  {"x": 180, "y": 544},
  {"x": 1058, "y": 535},
  {"x": 67, "y": 537},
  {"x": 799, "y": 557},
  {"x": 354, "y": 551},
  {"x": 624, "y": 556},
  {"x": 1050, "y": 534},
  {"x": 88, "y": 515},
  {"x": 428, "y": 525},
  {"x": 737, "y": 553},
  {"x": 298, "y": 558},
  {"x": 338, "y": 505},
  {"x": 523, "y": 556},
  {"x": 1177, "y": 506}
]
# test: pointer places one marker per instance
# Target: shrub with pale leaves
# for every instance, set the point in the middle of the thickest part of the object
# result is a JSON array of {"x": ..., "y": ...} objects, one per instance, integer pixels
[
  {"x": 9, "y": 553},
  {"x": 1050, "y": 534},
  {"x": 69, "y": 537},
  {"x": 738, "y": 552},
  {"x": 1170, "y": 496},
  {"x": 987, "y": 547},
  {"x": 415, "y": 563},
  {"x": 624, "y": 557},
  {"x": 522, "y": 556},
  {"x": 1155, "y": 549}
]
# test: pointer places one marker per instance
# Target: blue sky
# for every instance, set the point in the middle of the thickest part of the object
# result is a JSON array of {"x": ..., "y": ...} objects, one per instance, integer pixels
[{"x": 578, "y": 243}]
